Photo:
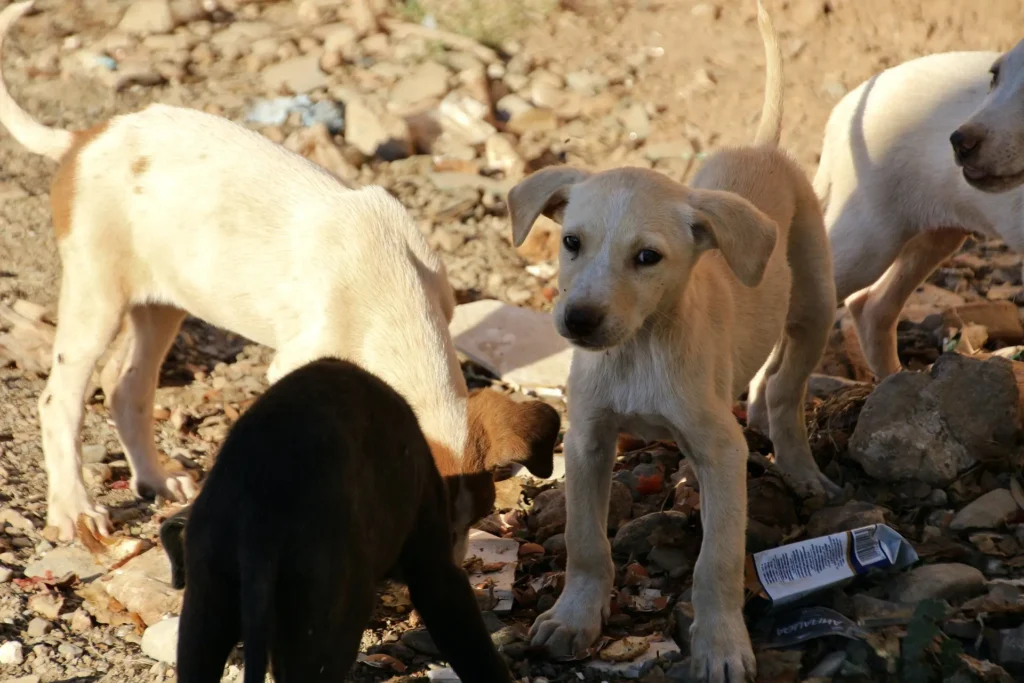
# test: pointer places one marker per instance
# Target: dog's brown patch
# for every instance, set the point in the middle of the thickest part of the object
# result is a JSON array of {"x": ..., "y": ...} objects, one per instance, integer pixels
[
  {"x": 502, "y": 431},
  {"x": 140, "y": 165},
  {"x": 62, "y": 188}
]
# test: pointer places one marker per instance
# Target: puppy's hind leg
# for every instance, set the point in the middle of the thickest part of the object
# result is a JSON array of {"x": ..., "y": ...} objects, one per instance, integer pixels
[
  {"x": 876, "y": 309},
  {"x": 441, "y": 593},
  {"x": 152, "y": 332},
  {"x": 89, "y": 314},
  {"x": 208, "y": 629}
]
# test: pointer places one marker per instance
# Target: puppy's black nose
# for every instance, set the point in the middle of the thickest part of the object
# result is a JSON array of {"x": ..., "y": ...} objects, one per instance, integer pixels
[
  {"x": 581, "y": 321},
  {"x": 966, "y": 143}
]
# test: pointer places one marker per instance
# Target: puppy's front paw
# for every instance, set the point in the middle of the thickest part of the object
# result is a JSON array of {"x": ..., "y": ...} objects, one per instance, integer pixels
[
  {"x": 574, "y": 623},
  {"x": 64, "y": 510},
  {"x": 176, "y": 486},
  {"x": 721, "y": 651}
]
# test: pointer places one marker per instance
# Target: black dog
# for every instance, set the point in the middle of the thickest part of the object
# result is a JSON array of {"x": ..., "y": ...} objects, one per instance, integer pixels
[{"x": 321, "y": 488}]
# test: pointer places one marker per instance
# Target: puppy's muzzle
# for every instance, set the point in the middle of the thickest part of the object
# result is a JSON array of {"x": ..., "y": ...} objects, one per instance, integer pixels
[
  {"x": 582, "y": 321},
  {"x": 966, "y": 144}
]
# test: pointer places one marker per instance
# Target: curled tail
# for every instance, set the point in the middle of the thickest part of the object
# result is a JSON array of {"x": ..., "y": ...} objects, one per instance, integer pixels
[
  {"x": 769, "y": 130},
  {"x": 37, "y": 138}
]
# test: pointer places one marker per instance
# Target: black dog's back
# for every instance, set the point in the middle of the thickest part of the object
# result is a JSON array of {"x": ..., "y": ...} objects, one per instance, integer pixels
[{"x": 323, "y": 486}]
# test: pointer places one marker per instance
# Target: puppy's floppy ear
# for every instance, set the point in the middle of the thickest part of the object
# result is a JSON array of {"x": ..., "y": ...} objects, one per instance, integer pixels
[
  {"x": 743, "y": 233},
  {"x": 544, "y": 192},
  {"x": 503, "y": 431}
]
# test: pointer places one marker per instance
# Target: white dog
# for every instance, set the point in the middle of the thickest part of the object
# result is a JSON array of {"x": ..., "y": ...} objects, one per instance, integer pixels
[
  {"x": 171, "y": 210},
  {"x": 896, "y": 205},
  {"x": 673, "y": 298}
]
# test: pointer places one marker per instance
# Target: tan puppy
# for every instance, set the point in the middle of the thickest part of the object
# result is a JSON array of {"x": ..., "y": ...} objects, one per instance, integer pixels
[
  {"x": 673, "y": 298},
  {"x": 169, "y": 210}
]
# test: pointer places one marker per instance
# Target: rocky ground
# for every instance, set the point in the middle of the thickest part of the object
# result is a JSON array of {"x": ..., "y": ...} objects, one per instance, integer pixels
[{"x": 447, "y": 103}]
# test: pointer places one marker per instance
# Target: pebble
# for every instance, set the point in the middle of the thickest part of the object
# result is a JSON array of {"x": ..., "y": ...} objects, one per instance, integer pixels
[
  {"x": 634, "y": 537},
  {"x": 69, "y": 651},
  {"x": 6, "y": 574},
  {"x": 96, "y": 474},
  {"x": 63, "y": 560},
  {"x": 990, "y": 511},
  {"x": 427, "y": 81},
  {"x": 512, "y": 105},
  {"x": 11, "y": 653},
  {"x": 533, "y": 121},
  {"x": 1008, "y": 649},
  {"x": 94, "y": 453},
  {"x": 298, "y": 75},
  {"x": 160, "y": 641},
  {"x": 147, "y": 16},
  {"x": 38, "y": 627},
  {"x": 948, "y": 581}
]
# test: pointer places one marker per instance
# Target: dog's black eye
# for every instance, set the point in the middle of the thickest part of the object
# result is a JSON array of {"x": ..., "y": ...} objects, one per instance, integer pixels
[
  {"x": 995, "y": 76},
  {"x": 572, "y": 243},
  {"x": 647, "y": 257}
]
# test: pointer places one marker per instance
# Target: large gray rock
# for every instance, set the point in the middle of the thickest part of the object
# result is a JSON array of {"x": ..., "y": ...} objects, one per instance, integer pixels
[
  {"x": 932, "y": 426},
  {"x": 641, "y": 535},
  {"x": 160, "y": 641}
]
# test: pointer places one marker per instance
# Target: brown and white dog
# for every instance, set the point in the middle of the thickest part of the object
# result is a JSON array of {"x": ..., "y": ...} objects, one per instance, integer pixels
[
  {"x": 170, "y": 210},
  {"x": 676, "y": 299}
]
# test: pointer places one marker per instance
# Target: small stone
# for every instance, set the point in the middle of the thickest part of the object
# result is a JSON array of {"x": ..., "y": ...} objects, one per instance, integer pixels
[
  {"x": 11, "y": 653},
  {"x": 639, "y": 536},
  {"x": 160, "y": 641},
  {"x": 533, "y": 120},
  {"x": 426, "y": 82},
  {"x": 147, "y": 16},
  {"x": 948, "y": 581},
  {"x": 15, "y": 519},
  {"x": 677, "y": 149},
  {"x": 298, "y": 75},
  {"x": 420, "y": 640},
  {"x": 673, "y": 560},
  {"x": 94, "y": 453},
  {"x": 636, "y": 122},
  {"x": 38, "y": 627},
  {"x": 555, "y": 545},
  {"x": 6, "y": 574},
  {"x": 375, "y": 135},
  {"x": 511, "y": 106},
  {"x": 585, "y": 82},
  {"x": 80, "y": 621},
  {"x": 854, "y": 514},
  {"x": 69, "y": 651},
  {"x": 96, "y": 474},
  {"x": 1008, "y": 649},
  {"x": 989, "y": 511},
  {"x": 500, "y": 155}
]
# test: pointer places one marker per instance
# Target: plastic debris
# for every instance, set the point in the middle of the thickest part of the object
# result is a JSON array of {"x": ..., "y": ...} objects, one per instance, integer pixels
[
  {"x": 793, "y": 571},
  {"x": 276, "y": 110}
]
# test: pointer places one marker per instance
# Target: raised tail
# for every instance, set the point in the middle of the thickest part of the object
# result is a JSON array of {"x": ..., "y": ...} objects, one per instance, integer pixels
[
  {"x": 769, "y": 130},
  {"x": 34, "y": 136}
]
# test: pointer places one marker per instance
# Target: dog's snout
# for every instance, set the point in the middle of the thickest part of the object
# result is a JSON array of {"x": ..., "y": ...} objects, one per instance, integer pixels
[
  {"x": 966, "y": 142},
  {"x": 581, "y": 321}
]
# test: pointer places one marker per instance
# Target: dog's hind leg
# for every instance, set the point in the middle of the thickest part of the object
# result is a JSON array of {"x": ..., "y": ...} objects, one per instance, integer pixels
[
  {"x": 441, "y": 593},
  {"x": 153, "y": 329},
  {"x": 90, "y": 312},
  {"x": 208, "y": 629},
  {"x": 876, "y": 309}
]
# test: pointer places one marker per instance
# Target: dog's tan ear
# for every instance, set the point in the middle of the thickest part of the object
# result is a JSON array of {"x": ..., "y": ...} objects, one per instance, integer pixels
[
  {"x": 544, "y": 192},
  {"x": 503, "y": 431},
  {"x": 743, "y": 233}
]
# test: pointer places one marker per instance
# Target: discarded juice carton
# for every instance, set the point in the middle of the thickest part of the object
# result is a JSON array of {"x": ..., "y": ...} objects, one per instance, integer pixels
[{"x": 791, "y": 572}]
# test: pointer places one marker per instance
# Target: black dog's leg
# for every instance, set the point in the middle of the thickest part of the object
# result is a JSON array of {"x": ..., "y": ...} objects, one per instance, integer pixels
[
  {"x": 172, "y": 532},
  {"x": 208, "y": 630},
  {"x": 441, "y": 593},
  {"x": 320, "y": 623}
]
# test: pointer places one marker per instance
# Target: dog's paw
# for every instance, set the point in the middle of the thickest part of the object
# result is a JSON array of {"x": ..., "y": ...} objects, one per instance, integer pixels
[
  {"x": 64, "y": 511},
  {"x": 176, "y": 486},
  {"x": 570, "y": 627},
  {"x": 721, "y": 651},
  {"x": 812, "y": 483}
]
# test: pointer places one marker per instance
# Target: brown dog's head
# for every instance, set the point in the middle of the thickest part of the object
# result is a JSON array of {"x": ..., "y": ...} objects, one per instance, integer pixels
[
  {"x": 989, "y": 146},
  {"x": 501, "y": 432},
  {"x": 630, "y": 239}
]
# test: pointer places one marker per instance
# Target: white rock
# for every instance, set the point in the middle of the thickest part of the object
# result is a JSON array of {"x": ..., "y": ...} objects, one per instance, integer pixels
[
  {"x": 15, "y": 519},
  {"x": 160, "y": 641},
  {"x": 519, "y": 345},
  {"x": 427, "y": 81},
  {"x": 65, "y": 559},
  {"x": 143, "y": 585},
  {"x": 6, "y": 574},
  {"x": 147, "y": 16},
  {"x": 10, "y": 653}
]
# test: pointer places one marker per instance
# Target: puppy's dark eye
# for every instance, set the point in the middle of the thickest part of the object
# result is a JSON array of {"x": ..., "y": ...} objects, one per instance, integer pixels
[
  {"x": 647, "y": 257},
  {"x": 995, "y": 76},
  {"x": 572, "y": 243}
]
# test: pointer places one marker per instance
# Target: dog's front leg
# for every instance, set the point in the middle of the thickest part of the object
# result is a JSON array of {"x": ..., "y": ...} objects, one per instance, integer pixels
[
  {"x": 574, "y": 623},
  {"x": 720, "y": 642}
]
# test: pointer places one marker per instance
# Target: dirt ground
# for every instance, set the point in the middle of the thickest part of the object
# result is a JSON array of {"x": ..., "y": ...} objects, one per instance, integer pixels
[{"x": 694, "y": 68}]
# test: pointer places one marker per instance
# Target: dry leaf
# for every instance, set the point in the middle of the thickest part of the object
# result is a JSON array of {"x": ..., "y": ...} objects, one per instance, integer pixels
[
  {"x": 111, "y": 552},
  {"x": 383, "y": 661},
  {"x": 625, "y": 650}
]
